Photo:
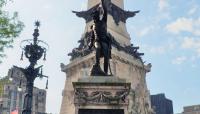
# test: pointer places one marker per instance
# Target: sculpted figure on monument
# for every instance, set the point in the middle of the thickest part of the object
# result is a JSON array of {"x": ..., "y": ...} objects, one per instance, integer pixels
[{"x": 99, "y": 39}]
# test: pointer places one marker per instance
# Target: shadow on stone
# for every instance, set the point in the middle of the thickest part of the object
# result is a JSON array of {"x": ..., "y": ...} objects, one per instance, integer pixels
[{"x": 96, "y": 71}]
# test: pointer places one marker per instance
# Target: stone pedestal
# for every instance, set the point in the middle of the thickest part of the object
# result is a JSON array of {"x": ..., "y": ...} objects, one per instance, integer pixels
[{"x": 101, "y": 93}]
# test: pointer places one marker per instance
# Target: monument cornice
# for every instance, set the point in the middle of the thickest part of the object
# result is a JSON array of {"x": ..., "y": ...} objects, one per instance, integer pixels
[{"x": 119, "y": 55}]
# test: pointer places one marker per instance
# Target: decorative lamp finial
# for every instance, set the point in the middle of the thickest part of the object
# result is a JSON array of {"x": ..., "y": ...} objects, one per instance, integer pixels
[
  {"x": 37, "y": 23},
  {"x": 36, "y": 32}
]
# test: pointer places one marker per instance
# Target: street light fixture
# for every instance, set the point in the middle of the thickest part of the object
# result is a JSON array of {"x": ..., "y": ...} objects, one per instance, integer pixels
[{"x": 33, "y": 49}]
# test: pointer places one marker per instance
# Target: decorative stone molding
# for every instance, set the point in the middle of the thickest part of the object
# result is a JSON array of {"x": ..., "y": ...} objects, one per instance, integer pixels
[
  {"x": 127, "y": 59},
  {"x": 101, "y": 91},
  {"x": 100, "y": 97}
]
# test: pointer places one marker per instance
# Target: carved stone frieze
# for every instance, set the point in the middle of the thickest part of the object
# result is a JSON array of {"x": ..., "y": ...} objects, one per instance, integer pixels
[
  {"x": 101, "y": 90},
  {"x": 100, "y": 97}
]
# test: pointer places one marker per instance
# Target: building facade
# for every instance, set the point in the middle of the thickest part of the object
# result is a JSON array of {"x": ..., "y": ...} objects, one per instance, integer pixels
[
  {"x": 195, "y": 109},
  {"x": 161, "y": 104},
  {"x": 12, "y": 94}
]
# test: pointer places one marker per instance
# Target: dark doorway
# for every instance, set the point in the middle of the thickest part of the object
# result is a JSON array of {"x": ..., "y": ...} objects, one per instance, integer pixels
[{"x": 101, "y": 111}]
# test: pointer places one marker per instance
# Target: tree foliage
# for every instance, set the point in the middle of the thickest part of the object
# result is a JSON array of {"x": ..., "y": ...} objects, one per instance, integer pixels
[{"x": 10, "y": 28}]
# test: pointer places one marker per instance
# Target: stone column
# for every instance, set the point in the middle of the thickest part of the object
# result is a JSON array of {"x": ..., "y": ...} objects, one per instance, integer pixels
[{"x": 119, "y": 3}]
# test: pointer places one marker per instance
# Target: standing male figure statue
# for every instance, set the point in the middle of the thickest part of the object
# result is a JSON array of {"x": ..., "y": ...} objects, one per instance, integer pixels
[{"x": 99, "y": 39}]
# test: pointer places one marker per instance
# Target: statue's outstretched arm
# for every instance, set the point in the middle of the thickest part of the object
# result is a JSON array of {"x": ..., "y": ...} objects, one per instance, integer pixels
[{"x": 104, "y": 4}]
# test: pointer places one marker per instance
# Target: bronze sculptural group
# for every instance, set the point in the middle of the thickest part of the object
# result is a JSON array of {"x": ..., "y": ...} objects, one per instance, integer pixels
[{"x": 100, "y": 40}]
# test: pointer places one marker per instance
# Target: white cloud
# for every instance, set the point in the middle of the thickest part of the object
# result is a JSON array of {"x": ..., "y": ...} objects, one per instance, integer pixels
[
  {"x": 163, "y": 10},
  {"x": 145, "y": 31},
  {"x": 193, "y": 10},
  {"x": 162, "y": 49},
  {"x": 48, "y": 6},
  {"x": 179, "y": 60},
  {"x": 153, "y": 49},
  {"x": 188, "y": 43},
  {"x": 197, "y": 27},
  {"x": 184, "y": 25},
  {"x": 197, "y": 32},
  {"x": 163, "y": 5},
  {"x": 181, "y": 24},
  {"x": 158, "y": 50},
  {"x": 83, "y": 5},
  {"x": 192, "y": 44}
]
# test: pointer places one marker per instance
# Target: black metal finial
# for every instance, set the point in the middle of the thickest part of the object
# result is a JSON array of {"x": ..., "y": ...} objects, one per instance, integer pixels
[
  {"x": 36, "y": 32},
  {"x": 37, "y": 23}
]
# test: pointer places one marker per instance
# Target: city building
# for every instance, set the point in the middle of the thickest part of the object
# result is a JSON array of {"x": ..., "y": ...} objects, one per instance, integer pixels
[
  {"x": 194, "y": 109},
  {"x": 12, "y": 94},
  {"x": 161, "y": 104}
]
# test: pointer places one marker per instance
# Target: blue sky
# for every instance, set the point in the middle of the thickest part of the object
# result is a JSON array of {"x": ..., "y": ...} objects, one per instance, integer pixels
[{"x": 167, "y": 31}]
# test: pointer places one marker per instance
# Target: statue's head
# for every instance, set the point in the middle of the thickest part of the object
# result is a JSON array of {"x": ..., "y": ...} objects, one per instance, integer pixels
[{"x": 101, "y": 12}]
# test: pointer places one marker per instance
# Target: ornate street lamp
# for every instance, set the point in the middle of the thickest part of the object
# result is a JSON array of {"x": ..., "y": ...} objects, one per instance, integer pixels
[{"x": 33, "y": 49}]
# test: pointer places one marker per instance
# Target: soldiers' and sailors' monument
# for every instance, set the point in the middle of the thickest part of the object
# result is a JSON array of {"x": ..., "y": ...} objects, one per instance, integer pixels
[{"x": 106, "y": 74}]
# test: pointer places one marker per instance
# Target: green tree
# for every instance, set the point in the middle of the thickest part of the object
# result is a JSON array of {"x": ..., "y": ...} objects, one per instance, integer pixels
[{"x": 10, "y": 28}]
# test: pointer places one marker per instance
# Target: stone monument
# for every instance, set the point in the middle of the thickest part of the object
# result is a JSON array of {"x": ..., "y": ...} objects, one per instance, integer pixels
[{"x": 123, "y": 90}]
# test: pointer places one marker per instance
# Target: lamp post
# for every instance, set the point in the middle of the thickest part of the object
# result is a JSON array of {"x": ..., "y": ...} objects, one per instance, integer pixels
[{"x": 33, "y": 49}]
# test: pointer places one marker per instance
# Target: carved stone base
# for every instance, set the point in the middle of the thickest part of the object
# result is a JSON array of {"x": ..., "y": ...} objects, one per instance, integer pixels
[{"x": 101, "y": 93}]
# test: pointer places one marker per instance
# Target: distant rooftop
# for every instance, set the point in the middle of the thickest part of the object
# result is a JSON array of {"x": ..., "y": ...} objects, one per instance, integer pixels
[{"x": 192, "y": 108}]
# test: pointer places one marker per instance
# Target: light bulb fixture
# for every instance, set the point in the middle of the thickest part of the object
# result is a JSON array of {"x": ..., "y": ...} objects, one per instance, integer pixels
[
  {"x": 47, "y": 84},
  {"x": 10, "y": 78},
  {"x": 19, "y": 89},
  {"x": 20, "y": 86},
  {"x": 11, "y": 75}
]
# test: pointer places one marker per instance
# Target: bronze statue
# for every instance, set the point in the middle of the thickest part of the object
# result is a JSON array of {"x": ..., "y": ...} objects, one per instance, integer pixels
[{"x": 99, "y": 39}]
